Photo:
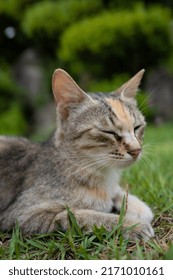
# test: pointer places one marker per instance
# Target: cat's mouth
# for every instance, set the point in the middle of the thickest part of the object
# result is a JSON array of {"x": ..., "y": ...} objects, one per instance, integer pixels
[{"x": 126, "y": 160}]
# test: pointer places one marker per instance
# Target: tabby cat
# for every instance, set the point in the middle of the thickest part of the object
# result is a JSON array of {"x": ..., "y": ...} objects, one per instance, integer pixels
[{"x": 97, "y": 136}]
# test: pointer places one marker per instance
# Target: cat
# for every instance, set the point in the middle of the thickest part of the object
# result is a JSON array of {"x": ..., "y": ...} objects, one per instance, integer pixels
[{"x": 97, "y": 136}]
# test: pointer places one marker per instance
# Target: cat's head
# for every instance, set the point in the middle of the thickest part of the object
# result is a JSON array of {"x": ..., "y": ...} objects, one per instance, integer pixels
[{"x": 107, "y": 128}]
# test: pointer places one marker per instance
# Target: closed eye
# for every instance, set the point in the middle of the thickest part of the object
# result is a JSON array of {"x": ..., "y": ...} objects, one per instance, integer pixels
[
  {"x": 117, "y": 137},
  {"x": 137, "y": 127},
  {"x": 139, "y": 131}
]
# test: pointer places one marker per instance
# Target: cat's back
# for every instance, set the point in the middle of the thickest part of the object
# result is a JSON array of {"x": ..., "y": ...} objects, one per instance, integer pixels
[
  {"x": 16, "y": 155},
  {"x": 15, "y": 152}
]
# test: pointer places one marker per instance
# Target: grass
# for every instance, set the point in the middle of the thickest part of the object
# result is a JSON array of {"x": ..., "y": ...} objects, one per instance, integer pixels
[{"x": 151, "y": 180}]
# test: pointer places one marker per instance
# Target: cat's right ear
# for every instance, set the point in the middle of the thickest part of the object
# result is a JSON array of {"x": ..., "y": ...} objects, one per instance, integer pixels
[
  {"x": 130, "y": 88},
  {"x": 66, "y": 92}
]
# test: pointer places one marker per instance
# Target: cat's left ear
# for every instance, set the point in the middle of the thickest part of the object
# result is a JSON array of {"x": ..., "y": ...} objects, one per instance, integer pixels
[
  {"x": 66, "y": 92},
  {"x": 130, "y": 88}
]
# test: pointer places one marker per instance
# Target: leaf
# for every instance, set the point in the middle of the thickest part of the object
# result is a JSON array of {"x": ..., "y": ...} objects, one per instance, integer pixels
[{"x": 73, "y": 222}]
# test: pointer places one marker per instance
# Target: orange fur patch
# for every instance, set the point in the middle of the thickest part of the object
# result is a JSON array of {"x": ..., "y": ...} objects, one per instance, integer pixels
[
  {"x": 97, "y": 193},
  {"x": 121, "y": 112}
]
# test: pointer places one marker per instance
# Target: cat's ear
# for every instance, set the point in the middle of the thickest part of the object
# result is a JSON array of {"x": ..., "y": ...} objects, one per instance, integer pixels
[
  {"x": 66, "y": 92},
  {"x": 130, "y": 88}
]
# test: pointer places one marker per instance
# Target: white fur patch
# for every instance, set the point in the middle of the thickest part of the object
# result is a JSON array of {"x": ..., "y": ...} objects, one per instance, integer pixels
[{"x": 112, "y": 182}]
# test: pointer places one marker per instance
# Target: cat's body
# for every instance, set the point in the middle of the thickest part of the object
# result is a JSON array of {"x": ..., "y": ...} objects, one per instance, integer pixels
[{"x": 79, "y": 167}]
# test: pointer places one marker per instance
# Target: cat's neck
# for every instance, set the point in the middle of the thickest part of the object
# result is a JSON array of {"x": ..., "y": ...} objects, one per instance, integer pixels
[
  {"x": 91, "y": 176},
  {"x": 87, "y": 172},
  {"x": 112, "y": 178}
]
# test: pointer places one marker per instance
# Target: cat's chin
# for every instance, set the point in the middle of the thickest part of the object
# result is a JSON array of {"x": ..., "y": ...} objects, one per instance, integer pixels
[
  {"x": 129, "y": 161},
  {"x": 124, "y": 164}
]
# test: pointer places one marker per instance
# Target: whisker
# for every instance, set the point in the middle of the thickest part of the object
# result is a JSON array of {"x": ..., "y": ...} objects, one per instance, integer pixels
[
  {"x": 79, "y": 163},
  {"x": 144, "y": 162},
  {"x": 146, "y": 107},
  {"x": 149, "y": 96},
  {"x": 89, "y": 165}
]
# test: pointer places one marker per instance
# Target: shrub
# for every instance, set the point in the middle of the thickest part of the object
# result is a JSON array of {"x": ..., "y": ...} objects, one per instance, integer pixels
[
  {"x": 13, "y": 8},
  {"x": 12, "y": 119},
  {"x": 117, "y": 41},
  {"x": 108, "y": 85},
  {"x": 9, "y": 90},
  {"x": 51, "y": 17}
]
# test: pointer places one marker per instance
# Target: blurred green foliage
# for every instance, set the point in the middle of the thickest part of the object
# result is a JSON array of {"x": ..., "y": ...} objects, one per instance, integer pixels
[
  {"x": 11, "y": 106},
  {"x": 108, "y": 85},
  {"x": 54, "y": 16},
  {"x": 12, "y": 121},
  {"x": 106, "y": 41},
  {"x": 12, "y": 8},
  {"x": 7, "y": 87},
  {"x": 148, "y": 110},
  {"x": 120, "y": 41}
]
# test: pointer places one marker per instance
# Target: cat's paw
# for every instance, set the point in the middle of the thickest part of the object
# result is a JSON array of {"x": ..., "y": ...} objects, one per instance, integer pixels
[
  {"x": 137, "y": 230},
  {"x": 139, "y": 209}
]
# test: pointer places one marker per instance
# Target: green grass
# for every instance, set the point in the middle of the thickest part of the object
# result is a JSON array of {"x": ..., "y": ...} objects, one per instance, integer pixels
[{"x": 151, "y": 180}]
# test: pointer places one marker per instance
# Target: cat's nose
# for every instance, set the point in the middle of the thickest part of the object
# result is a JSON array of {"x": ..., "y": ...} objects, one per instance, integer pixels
[{"x": 134, "y": 153}]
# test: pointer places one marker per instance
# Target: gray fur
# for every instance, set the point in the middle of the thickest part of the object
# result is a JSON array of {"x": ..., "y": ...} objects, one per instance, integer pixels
[{"x": 79, "y": 166}]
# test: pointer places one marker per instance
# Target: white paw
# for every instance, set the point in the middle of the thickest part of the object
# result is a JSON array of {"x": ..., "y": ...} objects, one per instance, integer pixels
[
  {"x": 138, "y": 230},
  {"x": 137, "y": 208}
]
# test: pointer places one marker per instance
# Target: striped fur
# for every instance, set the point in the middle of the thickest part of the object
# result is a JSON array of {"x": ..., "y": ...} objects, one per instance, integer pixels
[{"x": 80, "y": 166}]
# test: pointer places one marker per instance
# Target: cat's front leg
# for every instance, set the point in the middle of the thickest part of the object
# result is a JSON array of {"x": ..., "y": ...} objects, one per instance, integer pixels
[
  {"x": 45, "y": 220},
  {"x": 135, "y": 207},
  {"x": 132, "y": 228}
]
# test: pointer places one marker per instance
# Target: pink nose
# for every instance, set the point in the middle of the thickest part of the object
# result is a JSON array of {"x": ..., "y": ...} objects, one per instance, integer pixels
[{"x": 134, "y": 153}]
